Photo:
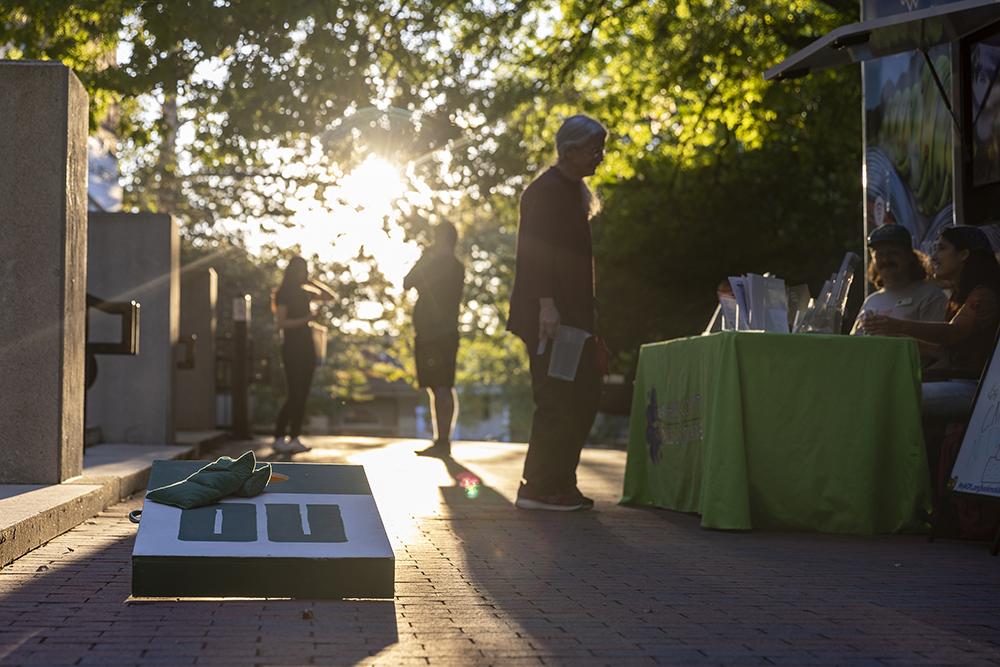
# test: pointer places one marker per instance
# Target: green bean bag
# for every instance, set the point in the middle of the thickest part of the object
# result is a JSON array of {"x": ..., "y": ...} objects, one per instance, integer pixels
[{"x": 223, "y": 477}]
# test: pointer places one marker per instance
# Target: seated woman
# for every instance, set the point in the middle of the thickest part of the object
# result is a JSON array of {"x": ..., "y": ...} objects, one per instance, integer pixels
[
  {"x": 961, "y": 346},
  {"x": 899, "y": 272}
]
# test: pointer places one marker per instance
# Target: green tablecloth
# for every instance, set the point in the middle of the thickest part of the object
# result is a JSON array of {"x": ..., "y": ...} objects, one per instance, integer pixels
[{"x": 757, "y": 430}]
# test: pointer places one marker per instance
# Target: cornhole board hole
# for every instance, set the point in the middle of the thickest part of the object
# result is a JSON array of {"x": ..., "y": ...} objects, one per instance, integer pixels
[{"x": 316, "y": 535}]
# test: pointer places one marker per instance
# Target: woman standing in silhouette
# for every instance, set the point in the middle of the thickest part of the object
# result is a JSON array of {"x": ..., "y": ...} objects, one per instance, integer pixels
[{"x": 292, "y": 308}]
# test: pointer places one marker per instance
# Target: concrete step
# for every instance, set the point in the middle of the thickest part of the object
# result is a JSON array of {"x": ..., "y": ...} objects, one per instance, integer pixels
[
  {"x": 31, "y": 515},
  {"x": 200, "y": 439},
  {"x": 126, "y": 467}
]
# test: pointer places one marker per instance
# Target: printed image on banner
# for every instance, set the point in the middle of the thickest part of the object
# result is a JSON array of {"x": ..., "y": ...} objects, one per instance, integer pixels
[{"x": 908, "y": 136}]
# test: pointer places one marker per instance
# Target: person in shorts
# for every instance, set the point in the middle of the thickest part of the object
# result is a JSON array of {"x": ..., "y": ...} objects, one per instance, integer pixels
[{"x": 439, "y": 277}]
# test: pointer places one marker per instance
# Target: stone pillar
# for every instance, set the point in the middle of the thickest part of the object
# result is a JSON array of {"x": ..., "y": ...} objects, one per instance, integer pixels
[
  {"x": 195, "y": 397},
  {"x": 43, "y": 271},
  {"x": 136, "y": 257}
]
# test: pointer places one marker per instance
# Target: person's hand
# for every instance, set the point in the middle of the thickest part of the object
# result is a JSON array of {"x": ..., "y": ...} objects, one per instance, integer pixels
[
  {"x": 548, "y": 320},
  {"x": 882, "y": 325}
]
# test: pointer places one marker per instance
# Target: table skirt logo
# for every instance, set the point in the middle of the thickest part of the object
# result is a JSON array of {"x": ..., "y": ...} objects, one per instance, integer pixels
[
  {"x": 286, "y": 522},
  {"x": 672, "y": 423},
  {"x": 654, "y": 439}
]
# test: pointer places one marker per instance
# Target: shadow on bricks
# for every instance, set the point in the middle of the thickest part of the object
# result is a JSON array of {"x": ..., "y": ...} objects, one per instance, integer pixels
[
  {"x": 563, "y": 577},
  {"x": 74, "y": 609}
]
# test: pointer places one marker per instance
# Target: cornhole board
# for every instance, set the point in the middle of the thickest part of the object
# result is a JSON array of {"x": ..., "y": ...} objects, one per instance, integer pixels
[{"x": 316, "y": 535}]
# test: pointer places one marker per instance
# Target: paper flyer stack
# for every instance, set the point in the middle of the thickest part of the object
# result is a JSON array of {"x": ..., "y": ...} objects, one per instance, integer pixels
[
  {"x": 763, "y": 303},
  {"x": 758, "y": 303}
]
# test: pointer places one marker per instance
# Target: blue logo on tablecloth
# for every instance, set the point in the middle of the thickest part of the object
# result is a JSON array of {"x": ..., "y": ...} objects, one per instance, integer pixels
[
  {"x": 672, "y": 423},
  {"x": 654, "y": 438}
]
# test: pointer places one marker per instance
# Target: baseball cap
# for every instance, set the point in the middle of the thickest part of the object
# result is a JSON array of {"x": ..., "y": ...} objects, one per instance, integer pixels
[{"x": 891, "y": 233}]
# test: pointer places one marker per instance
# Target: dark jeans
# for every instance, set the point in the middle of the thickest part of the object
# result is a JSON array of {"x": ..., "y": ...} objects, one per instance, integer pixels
[
  {"x": 299, "y": 360},
  {"x": 564, "y": 413}
]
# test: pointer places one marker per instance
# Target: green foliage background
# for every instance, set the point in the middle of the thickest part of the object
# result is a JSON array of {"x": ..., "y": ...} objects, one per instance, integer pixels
[{"x": 710, "y": 171}]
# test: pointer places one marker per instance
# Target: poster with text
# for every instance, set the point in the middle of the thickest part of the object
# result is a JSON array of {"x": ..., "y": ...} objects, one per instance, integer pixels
[{"x": 977, "y": 466}]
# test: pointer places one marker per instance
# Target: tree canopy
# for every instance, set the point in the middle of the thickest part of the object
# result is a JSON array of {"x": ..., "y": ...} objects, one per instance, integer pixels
[
  {"x": 710, "y": 170},
  {"x": 230, "y": 109}
]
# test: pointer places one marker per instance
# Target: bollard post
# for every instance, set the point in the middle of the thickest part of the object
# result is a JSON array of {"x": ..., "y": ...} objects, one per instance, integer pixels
[
  {"x": 241, "y": 367},
  {"x": 43, "y": 272}
]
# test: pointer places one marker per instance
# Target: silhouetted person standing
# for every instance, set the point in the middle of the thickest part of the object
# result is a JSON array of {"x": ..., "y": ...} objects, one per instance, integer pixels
[
  {"x": 438, "y": 277},
  {"x": 553, "y": 285},
  {"x": 294, "y": 318}
]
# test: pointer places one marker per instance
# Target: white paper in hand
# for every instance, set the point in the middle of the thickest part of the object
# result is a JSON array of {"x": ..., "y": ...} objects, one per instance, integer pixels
[{"x": 567, "y": 347}]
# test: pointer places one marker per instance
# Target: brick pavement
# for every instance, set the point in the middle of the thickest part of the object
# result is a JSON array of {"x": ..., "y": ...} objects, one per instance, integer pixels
[{"x": 481, "y": 583}]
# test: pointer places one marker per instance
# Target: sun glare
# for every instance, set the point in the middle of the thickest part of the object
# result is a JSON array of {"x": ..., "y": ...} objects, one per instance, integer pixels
[
  {"x": 357, "y": 213},
  {"x": 372, "y": 186}
]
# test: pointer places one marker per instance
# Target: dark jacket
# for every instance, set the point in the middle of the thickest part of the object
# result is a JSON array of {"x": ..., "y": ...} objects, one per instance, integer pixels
[
  {"x": 554, "y": 256},
  {"x": 439, "y": 279}
]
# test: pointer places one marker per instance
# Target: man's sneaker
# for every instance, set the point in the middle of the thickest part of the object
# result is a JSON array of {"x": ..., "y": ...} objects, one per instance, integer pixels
[
  {"x": 281, "y": 446},
  {"x": 588, "y": 504},
  {"x": 295, "y": 446},
  {"x": 559, "y": 502},
  {"x": 439, "y": 450}
]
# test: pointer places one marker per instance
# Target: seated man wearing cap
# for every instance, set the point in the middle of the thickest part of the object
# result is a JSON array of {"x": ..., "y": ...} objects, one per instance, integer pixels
[{"x": 899, "y": 272}]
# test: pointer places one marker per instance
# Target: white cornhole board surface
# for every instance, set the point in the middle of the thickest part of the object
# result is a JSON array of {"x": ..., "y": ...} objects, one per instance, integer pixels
[{"x": 317, "y": 535}]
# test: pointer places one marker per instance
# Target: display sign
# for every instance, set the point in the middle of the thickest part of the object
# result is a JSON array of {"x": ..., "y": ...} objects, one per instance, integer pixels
[
  {"x": 977, "y": 466},
  {"x": 317, "y": 535}
]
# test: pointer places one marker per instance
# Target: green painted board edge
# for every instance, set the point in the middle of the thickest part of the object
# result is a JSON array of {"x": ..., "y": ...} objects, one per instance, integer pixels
[{"x": 305, "y": 578}]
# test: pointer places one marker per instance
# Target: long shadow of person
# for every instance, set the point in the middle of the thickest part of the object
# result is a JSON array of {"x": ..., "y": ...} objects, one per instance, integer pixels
[
  {"x": 620, "y": 585},
  {"x": 569, "y": 585}
]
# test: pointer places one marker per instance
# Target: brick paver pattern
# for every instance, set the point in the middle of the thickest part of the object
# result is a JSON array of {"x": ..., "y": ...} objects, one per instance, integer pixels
[{"x": 479, "y": 582}]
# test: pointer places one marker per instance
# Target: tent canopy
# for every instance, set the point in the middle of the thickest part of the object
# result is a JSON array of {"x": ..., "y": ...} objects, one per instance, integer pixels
[{"x": 912, "y": 31}]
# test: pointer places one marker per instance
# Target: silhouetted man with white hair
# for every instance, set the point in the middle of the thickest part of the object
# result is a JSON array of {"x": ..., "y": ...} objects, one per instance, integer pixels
[{"x": 554, "y": 285}]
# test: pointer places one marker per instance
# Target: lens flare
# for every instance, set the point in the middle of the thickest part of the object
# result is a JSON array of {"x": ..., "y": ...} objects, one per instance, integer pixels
[{"x": 470, "y": 483}]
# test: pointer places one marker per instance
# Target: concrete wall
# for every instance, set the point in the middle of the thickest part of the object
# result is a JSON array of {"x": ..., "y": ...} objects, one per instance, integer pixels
[
  {"x": 43, "y": 271},
  {"x": 195, "y": 395},
  {"x": 135, "y": 257}
]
